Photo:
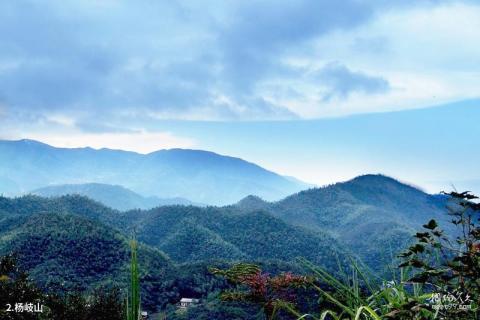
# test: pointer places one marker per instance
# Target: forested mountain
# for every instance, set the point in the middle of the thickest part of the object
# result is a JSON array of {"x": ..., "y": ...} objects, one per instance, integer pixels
[
  {"x": 195, "y": 234},
  {"x": 188, "y": 233},
  {"x": 200, "y": 176},
  {"x": 113, "y": 196},
  {"x": 374, "y": 215},
  {"x": 66, "y": 253},
  {"x": 75, "y": 242}
]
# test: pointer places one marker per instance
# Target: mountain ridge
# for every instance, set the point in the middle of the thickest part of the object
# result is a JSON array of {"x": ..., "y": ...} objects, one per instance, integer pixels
[
  {"x": 198, "y": 175},
  {"x": 181, "y": 232},
  {"x": 372, "y": 218},
  {"x": 369, "y": 209},
  {"x": 113, "y": 196}
]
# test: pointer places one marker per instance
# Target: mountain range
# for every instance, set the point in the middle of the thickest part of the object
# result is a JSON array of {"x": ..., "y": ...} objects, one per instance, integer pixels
[
  {"x": 362, "y": 213},
  {"x": 199, "y": 176},
  {"x": 72, "y": 243},
  {"x": 371, "y": 217},
  {"x": 374, "y": 215},
  {"x": 113, "y": 196},
  {"x": 70, "y": 233}
]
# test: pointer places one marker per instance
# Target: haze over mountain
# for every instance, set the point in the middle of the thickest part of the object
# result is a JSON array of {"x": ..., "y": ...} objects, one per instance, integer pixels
[
  {"x": 113, "y": 196},
  {"x": 431, "y": 147},
  {"x": 199, "y": 176}
]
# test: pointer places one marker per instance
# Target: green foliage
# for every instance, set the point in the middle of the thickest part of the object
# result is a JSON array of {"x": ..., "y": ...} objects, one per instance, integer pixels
[
  {"x": 66, "y": 252},
  {"x": 450, "y": 268},
  {"x": 133, "y": 305},
  {"x": 101, "y": 304},
  {"x": 437, "y": 276},
  {"x": 356, "y": 297},
  {"x": 219, "y": 233},
  {"x": 227, "y": 234},
  {"x": 213, "y": 308},
  {"x": 80, "y": 246},
  {"x": 16, "y": 287},
  {"x": 182, "y": 247},
  {"x": 374, "y": 216}
]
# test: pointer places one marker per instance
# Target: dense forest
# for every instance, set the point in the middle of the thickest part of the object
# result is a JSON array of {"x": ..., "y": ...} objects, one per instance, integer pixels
[{"x": 72, "y": 250}]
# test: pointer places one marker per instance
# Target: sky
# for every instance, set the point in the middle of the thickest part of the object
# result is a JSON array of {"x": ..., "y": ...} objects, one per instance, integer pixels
[{"x": 246, "y": 77}]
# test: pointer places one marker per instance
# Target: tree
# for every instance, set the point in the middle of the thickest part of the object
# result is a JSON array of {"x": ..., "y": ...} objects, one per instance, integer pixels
[
  {"x": 272, "y": 293},
  {"x": 450, "y": 268},
  {"x": 16, "y": 288}
]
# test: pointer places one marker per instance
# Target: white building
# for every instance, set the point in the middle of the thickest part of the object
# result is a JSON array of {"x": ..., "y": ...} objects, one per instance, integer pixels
[{"x": 187, "y": 302}]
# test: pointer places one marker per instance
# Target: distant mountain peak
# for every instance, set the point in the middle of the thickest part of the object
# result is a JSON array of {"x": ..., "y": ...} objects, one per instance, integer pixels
[
  {"x": 205, "y": 155},
  {"x": 114, "y": 196},
  {"x": 358, "y": 188},
  {"x": 26, "y": 142},
  {"x": 29, "y": 141},
  {"x": 252, "y": 202},
  {"x": 381, "y": 180},
  {"x": 252, "y": 198},
  {"x": 379, "y": 176},
  {"x": 373, "y": 177}
]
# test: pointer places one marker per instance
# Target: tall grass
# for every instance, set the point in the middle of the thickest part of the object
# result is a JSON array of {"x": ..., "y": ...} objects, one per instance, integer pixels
[
  {"x": 356, "y": 297},
  {"x": 133, "y": 298}
]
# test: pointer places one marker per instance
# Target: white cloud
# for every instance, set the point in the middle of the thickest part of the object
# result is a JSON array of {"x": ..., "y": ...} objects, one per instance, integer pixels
[
  {"x": 429, "y": 55},
  {"x": 174, "y": 59}
]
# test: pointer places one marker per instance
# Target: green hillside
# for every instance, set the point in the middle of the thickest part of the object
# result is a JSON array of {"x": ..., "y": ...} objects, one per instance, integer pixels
[
  {"x": 191, "y": 234},
  {"x": 251, "y": 236},
  {"x": 365, "y": 199},
  {"x": 372, "y": 215},
  {"x": 189, "y": 242},
  {"x": 75, "y": 243},
  {"x": 66, "y": 253}
]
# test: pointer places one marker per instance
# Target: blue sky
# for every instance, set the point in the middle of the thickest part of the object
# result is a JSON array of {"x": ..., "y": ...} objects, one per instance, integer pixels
[{"x": 253, "y": 79}]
